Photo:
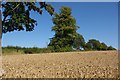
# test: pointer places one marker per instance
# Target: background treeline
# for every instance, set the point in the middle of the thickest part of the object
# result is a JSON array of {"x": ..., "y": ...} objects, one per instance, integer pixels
[{"x": 24, "y": 50}]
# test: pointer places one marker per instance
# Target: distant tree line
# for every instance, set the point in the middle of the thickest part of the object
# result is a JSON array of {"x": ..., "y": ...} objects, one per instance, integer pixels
[
  {"x": 32, "y": 50},
  {"x": 24, "y": 50}
]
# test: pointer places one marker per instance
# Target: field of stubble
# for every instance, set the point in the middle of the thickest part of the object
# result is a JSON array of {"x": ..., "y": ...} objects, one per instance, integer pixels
[{"x": 91, "y": 64}]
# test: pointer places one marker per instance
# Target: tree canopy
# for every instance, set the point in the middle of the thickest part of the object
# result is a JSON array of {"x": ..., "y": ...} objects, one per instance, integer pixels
[
  {"x": 110, "y": 48},
  {"x": 16, "y": 15},
  {"x": 79, "y": 42},
  {"x": 103, "y": 46},
  {"x": 94, "y": 44},
  {"x": 65, "y": 30}
]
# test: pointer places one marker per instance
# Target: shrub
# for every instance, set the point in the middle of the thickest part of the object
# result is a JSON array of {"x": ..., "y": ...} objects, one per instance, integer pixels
[
  {"x": 111, "y": 48},
  {"x": 28, "y": 51}
]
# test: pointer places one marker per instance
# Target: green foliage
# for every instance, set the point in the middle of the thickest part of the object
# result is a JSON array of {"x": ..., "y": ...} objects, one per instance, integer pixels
[
  {"x": 16, "y": 15},
  {"x": 88, "y": 47},
  {"x": 23, "y": 50},
  {"x": 111, "y": 48},
  {"x": 94, "y": 44},
  {"x": 103, "y": 46},
  {"x": 60, "y": 49},
  {"x": 11, "y": 50},
  {"x": 65, "y": 30},
  {"x": 79, "y": 42},
  {"x": 36, "y": 50}
]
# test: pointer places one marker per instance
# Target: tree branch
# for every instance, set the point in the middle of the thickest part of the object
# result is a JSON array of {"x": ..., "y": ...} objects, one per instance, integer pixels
[{"x": 9, "y": 12}]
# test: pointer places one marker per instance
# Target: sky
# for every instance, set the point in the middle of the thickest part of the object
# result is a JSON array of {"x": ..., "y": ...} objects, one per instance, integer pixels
[{"x": 97, "y": 20}]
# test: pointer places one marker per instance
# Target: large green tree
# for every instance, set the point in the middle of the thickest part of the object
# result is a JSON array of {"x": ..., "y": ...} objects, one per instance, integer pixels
[{"x": 65, "y": 30}]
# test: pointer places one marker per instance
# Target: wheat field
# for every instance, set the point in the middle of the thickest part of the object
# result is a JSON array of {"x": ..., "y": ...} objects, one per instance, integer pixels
[{"x": 84, "y": 64}]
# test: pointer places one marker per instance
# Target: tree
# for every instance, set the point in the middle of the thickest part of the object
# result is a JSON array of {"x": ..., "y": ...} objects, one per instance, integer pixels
[
  {"x": 0, "y": 27},
  {"x": 88, "y": 47},
  {"x": 1, "y": 71},
  {"x": 79, "y": 42},
  {"x": 65, "y": 30},
  {"x": 111, "y": 48},
  {"x": 95, "y": 44},
  {"x": 103, "y": 46}
]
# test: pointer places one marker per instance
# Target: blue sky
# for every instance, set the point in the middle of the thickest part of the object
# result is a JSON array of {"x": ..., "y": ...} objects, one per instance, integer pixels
[{"x": 97, "y": 20}]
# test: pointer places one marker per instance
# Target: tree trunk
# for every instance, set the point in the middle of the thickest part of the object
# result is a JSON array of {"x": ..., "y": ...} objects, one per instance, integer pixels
[
  {"x": 1, "y": 70},
  {"x": 0, "y": 42},
  {"x": 0, "y": 26}
]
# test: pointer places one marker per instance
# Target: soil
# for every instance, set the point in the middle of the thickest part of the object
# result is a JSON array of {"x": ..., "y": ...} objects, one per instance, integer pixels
[{"x": 84, "y": 64}]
